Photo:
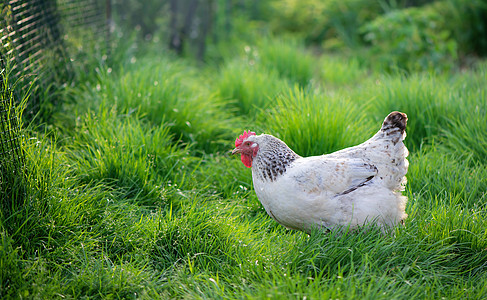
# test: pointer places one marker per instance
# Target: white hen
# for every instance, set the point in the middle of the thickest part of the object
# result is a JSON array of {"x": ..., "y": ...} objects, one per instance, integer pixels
[{"x": 345, "y": 189}]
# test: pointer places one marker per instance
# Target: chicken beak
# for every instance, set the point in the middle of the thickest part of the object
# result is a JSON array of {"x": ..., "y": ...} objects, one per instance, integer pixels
[{"x": 235, "y": 151}]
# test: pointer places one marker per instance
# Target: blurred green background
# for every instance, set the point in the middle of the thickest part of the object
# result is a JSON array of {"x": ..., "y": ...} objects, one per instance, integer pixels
[{"x": 384, "y": 34}]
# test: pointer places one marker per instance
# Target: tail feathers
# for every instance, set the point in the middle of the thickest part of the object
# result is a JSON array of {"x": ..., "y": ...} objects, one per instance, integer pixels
[
  {"x": 395, "y": 121},
  {"x": 390, "y": 156}
]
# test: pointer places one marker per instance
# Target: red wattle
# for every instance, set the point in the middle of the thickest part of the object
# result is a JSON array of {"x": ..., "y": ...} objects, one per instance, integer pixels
[{"x": 246, "y": 160}]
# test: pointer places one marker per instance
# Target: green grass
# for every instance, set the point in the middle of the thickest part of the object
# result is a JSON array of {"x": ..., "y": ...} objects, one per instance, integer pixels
[
  {"x": 288, "y": 57},
  {"x": 133, "y": 193},
  {"x": 248, "y": 87},
  {"x": 159, "y": 91},
  {"x": 313, "y": 123},
  {"x": 339, "y": 72}
]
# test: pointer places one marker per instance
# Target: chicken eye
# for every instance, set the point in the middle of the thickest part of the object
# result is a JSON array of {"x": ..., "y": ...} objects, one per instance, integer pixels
[{"x": 247, "y": 143}]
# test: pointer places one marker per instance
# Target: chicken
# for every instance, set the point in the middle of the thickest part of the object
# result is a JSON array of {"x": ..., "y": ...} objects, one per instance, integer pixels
[{"x": 344, "y": 189}]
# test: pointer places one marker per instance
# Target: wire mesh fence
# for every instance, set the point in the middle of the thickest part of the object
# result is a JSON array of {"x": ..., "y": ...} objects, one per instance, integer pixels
[
  {"x": 33, "y": 35},
  {"x": 34, "y": 55},
  {"x": 31, "y": 30},
  {"x": 11, "y": 157},
  {"x": 9, "y": 129}
]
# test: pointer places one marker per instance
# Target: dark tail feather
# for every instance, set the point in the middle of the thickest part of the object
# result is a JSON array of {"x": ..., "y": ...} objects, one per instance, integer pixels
[{"x": 395, "y": 120}]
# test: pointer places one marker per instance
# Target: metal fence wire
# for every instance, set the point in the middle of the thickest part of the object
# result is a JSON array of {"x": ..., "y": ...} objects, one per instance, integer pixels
[
  {"x": 33, "y": 32},
  {"x": 31, "y": 27},
  {"x": 9, "y": 127},
  {"x": 11, "y": 157},
  {"x": 34, "y": 52}
]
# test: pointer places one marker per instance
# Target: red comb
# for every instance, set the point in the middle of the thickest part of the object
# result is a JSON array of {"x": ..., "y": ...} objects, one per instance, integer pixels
[{"x": 242, "y": 137}]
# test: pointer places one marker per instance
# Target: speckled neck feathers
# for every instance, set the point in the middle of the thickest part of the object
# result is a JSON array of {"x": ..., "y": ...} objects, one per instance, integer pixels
[{"x": 273, "y": 158}]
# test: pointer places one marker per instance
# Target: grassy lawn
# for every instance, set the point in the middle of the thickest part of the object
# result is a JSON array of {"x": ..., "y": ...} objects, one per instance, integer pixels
[{"x": 132, "y": 192}]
